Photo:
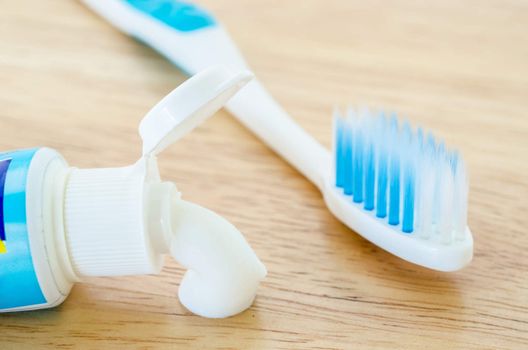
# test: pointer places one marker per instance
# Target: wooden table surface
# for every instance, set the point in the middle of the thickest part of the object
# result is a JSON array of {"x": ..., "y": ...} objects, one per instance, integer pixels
[{"x": 70, "y": 81}]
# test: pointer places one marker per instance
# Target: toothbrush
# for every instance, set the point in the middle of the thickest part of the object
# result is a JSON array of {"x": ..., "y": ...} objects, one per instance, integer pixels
[{"x": 400, "y": 190}]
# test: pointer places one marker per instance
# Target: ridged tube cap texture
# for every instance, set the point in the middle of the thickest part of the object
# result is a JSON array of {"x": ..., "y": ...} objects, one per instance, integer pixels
[{"x": 104, "y": 218}]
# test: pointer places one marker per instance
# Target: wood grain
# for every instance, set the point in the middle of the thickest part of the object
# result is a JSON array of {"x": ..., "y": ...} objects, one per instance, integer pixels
[{"x": 70, "y": 81}]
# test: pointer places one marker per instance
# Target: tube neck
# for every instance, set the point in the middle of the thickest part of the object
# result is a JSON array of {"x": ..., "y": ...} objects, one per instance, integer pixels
[{"x": 159, "y": 214}]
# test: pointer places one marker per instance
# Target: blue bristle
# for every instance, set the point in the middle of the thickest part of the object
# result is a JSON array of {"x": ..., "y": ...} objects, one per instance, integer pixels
[
  {"x": 408, "y": 199},
  {"x": 370, "y": 178},
  {"x": 408, "y": 180},
  {"x": 431, "y": 143},
  {"x": 419, "y": 137},
  {"x": 394, "y": 175},
  {"x": 358, "y": 169},
  {"x": 349, "y": 169},
  {"x": 453, "y": 158},
  {"x": 440, "y": 150},
  {"x": 340, "y": 148},
  {"x": 394, "y": 191},
  {"x": 398, "y": 173},
  {"x": 381, "y": 197}
]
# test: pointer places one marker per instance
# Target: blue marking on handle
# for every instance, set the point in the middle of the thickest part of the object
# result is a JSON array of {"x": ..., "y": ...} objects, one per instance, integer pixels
[{"x": 179, "y": 15}]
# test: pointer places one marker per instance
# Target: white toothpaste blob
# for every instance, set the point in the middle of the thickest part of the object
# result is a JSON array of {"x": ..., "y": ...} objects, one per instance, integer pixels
[{"x": 224, "y": 272}]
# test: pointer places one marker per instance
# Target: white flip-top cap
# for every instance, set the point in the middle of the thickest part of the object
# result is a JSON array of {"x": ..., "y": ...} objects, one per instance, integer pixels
[
  {"x": 188, "y": 106},
  {"x": 105, "y": 209}
]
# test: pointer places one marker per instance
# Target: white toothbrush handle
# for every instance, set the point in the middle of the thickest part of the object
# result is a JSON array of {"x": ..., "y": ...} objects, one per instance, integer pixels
[{"x": 258, "y": 111}]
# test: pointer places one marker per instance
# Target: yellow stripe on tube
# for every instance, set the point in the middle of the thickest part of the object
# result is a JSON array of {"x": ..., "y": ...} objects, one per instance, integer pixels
[{"x": 3, "y": 249}]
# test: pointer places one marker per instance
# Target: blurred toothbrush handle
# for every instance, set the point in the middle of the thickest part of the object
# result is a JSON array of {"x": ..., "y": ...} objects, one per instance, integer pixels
[{"x": 254, "y": 107}]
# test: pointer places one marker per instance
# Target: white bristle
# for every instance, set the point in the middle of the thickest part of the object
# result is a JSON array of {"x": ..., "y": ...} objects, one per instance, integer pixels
[
  {"x": 445, "y": 214},
  {"x": 461, "y": 198},
  {"x": 425, "y": 213}
]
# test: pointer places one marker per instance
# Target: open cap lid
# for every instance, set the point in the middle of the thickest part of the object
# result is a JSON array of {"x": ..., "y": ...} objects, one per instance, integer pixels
[{"x": 189, "y": 105}]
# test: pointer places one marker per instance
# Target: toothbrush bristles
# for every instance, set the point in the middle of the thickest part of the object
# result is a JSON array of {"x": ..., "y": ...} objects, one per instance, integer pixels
[{"x": 410, "y": 181}]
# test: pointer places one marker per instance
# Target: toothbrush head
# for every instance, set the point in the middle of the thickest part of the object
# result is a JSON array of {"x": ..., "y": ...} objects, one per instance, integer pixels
[{"x": 400, "y": 189}]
